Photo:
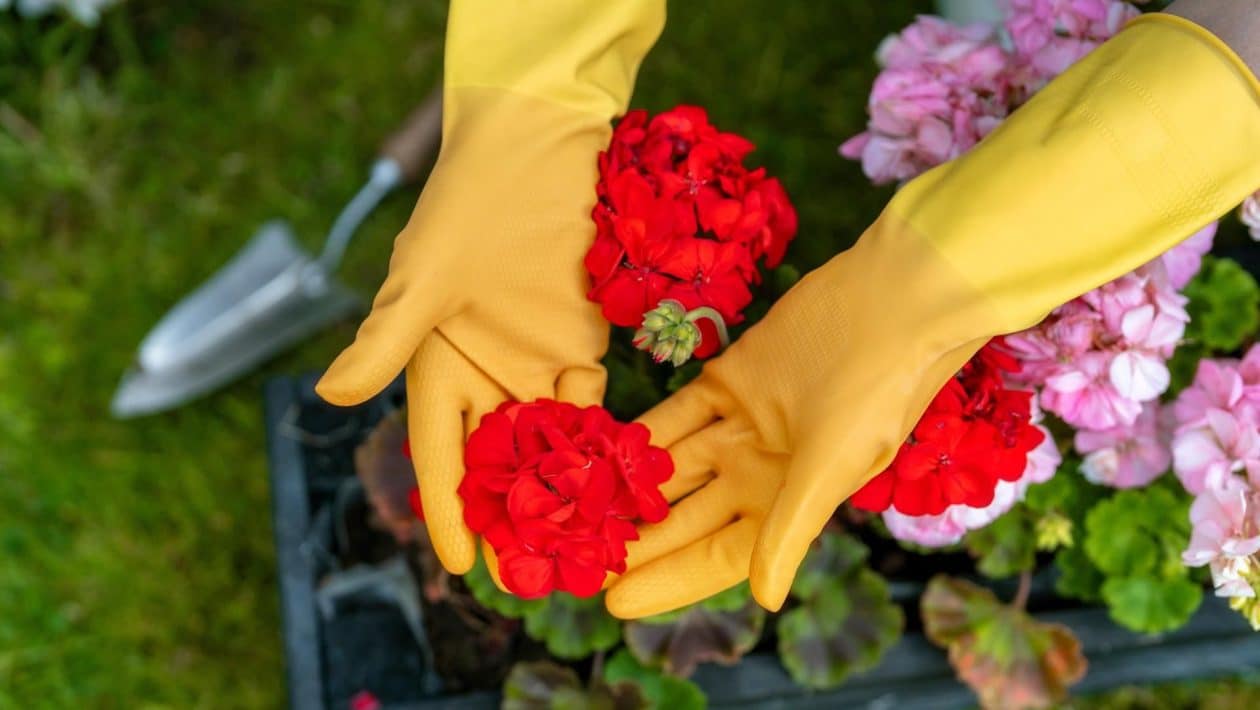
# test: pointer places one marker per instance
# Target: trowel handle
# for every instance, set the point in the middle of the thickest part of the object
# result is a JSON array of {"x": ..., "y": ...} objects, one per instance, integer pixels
[{"x": 417, "y": 139}]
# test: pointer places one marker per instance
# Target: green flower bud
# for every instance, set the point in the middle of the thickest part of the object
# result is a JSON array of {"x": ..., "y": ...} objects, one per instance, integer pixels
[
  {"x": 670, "y": 332},
  {"x": 1249, "y": 607},
  {"x": 1053, "y": 530}
]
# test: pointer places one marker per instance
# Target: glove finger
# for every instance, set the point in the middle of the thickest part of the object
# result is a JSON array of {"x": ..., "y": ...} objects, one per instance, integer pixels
[
  {"x": 583, "y": 386},
  {"x": 435, "y": 421},
  {"x": 681, "y": 414},
  {"x": 405, "y": 310},
  {"x": 695, "y": 459},
  {"x": 832, "y": 464},
  {"x": 695, "y": 517},
  {"x": 492, "y": 564},
  {"x": 696, "y": 572}
]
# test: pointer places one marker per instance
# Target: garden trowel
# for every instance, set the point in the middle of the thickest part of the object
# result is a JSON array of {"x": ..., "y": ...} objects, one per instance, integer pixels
[{"x": 271, "y": 295}]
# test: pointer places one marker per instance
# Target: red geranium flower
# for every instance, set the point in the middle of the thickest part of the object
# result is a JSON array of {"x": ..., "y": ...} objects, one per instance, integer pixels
[
  {"x": 680, "y": 218},
  {"x": 975, "y": 433},
  {"x": 556, "y": 491}
]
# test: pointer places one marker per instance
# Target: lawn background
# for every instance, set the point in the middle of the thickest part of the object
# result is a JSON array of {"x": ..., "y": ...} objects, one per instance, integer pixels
[{"x": 136, "y": 561}]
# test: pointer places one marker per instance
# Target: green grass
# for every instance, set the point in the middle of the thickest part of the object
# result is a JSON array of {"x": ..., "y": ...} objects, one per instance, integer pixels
[{"x": 136, "y": 562}]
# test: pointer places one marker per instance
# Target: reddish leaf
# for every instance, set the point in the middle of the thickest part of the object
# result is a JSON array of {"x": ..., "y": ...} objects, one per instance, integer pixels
[
  {"x": 388, "y": 477},
  {"x": 1009, "y": 659},
  {"x": 699, "y": 635}
]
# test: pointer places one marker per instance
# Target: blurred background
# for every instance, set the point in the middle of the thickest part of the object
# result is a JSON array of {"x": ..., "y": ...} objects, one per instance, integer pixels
[{"x": 138, "y": 152}]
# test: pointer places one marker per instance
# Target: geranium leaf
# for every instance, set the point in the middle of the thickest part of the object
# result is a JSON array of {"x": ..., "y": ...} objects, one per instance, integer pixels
[
  {"x": 1224, "y": 305},
  {"x": 682, "y": 375},
  {"x": 572, "y": 627},
  {"x": 1182, "y": 367},
  {"x": 1069, "y": 493},
  {"x": 833, "y": 555},
  {"x": 543, "y": 685},
  {"x": 1078, "y": 577},
  {"x": 1005, "y": 547},
  {"x": 846, "y": 620},
  {"x": 387, "y": 475},
  {"x": 1151, "y": 605},
  {"x": 701, "y": 633},
  {"x": 844, "y": 628},
  {"x": 1138, "y": 532},
  {"x": 631, "y": 387},
  {"x": 1009, "y": 659},
  {"x": 663, "y": 692},
  {"x": 488, "y": 594}
]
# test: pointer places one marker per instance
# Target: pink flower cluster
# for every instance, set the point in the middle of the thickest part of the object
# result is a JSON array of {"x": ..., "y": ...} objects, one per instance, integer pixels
[
  {"x": 1098, "y": 358},
  {"x": 1216, "y": 454},
  {"x": 943, "y": 87},
  {"x": 948, "y": 528},
  {"x": 1051, "y": 35},
  {"x": 1126, "y": 456}
]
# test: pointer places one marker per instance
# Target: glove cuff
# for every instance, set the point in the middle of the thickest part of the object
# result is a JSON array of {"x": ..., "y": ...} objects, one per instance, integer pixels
[{"x": 1136, "y": 147}]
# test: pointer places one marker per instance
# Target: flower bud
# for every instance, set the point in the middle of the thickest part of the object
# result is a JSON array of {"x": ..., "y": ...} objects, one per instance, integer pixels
[
  {"x": 670, "y": 332},
  {"x": 1249, "y": 607},
  {"x": 1053, "y": 531}
]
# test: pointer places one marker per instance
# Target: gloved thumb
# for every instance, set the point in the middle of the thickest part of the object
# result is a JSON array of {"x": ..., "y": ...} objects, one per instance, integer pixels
[{"x": 838, "y": 454}]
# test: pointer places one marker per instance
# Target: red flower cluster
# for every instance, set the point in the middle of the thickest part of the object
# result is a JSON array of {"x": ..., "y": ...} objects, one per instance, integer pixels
[
  {"x": 680, "y": 217},
  {"x": 974, "y": 433},
  {"x": 556, "y": 490}
]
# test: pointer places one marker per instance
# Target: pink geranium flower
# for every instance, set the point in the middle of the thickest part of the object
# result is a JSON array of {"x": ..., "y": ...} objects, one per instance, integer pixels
[
  {"x": 1226, "y": 536},
  {"x": 1251, "y": 215},
  {"x": 1218, "y": 384},
  {"x": 1206, "y": 456},
  {"x": 943, "y": 87},
  {"x": 1082, "y": 393},
  {"x": 1126, "y": 456},
  {"x": 1183, "y": 261},
  {"x": 1051, "y": 35}
]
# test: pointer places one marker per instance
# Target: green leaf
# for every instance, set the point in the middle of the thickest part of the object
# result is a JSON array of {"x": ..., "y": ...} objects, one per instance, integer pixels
[
  {"x": 1139, "y": 532},
  {"x": 543, "y": 685},
  {"x": 663, "y": 692},
  {"x": 1009, "y": 659},
  {"x": 572, "y": 627},
  {"x": 488, "y": 594},
  {"x": 682, "y": 375},
  {"x": 1068, "y": 493},
  {"x": 1224, "y": 305},
  {"x": 846, "y": 627},
  {"x": 1005, "y": 547},
  {"x": 832, "y": 556},
  {"x": 1182, "y": 367},
  {"x": 846, "y": 621},
  {"x": 631, "y": 387},
  {"x": 1151, "y": 605},
  {"x": 1078, "y": 577},
  {"x": 704, "y": 632},
  {"x": 784, "y": 278}
]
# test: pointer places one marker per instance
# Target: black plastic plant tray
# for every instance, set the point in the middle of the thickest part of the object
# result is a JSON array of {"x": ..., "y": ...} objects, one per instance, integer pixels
[{"x": 310, "y": 447}]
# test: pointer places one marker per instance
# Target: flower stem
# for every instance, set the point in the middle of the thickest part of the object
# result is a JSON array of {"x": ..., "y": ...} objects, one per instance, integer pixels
[
  {"x": 1021, "y": 594},
  {"x": 597, "y": 667},
  {"x": 718, "y": 322}
]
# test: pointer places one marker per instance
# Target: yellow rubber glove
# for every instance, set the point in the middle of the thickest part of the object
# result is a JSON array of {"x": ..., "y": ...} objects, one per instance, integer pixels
[
  {"x": 485, "y": 298},
  {"x": 1142, "y": 143}
]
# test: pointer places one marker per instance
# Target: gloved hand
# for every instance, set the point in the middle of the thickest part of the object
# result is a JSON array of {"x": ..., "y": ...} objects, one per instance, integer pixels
[
  {"x": 485, "y": 298},
  {"x": 1142, "y": 143}
]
